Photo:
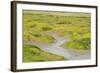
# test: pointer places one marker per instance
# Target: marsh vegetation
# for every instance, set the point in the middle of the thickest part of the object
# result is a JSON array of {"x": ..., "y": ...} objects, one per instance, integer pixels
[{"x": 54, "y": 36}]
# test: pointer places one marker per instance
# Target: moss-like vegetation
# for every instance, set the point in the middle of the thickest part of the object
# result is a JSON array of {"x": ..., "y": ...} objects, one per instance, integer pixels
[
  {"x": 79, "y": 41},
  {"x": 41, "y": 26},
  {"x": 35, "y": 54}
]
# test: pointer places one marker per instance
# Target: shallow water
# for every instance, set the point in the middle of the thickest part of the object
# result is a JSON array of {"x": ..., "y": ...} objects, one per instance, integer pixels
[{"x": 56, "y": 48}]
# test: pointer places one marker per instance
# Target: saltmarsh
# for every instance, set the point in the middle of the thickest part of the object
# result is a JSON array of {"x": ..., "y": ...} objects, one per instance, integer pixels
[{"x": 45, "y": 26}]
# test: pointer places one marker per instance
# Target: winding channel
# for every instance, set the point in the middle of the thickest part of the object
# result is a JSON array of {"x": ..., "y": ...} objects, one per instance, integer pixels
[{"x": 56, "y": 48}]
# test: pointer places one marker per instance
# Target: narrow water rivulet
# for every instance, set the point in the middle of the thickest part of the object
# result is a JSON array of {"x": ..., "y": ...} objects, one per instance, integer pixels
[{"x": 56, "y": 48}]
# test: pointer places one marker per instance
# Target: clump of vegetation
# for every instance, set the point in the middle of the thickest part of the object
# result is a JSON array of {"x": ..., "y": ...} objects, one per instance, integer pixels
[
  {"x": 46, "y": 28},
  {"x": 82, "y": 44},
  {"x": 33, "y": 53},
  {"x": 47, "y": 39},
  {"x": 78, "y": 41},
  {"x": 36, "y": 35}
]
